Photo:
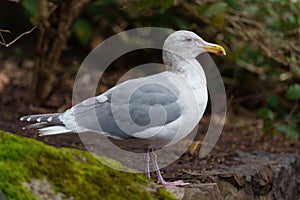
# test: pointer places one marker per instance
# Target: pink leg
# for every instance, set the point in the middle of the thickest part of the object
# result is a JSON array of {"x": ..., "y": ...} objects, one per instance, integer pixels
[
  {"x": 147, "y": 163},
  {"x": 160, "y": 179}
]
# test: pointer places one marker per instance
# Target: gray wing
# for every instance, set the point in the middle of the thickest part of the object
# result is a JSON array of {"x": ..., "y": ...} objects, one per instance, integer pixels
[{"x": 130, "y": 107}]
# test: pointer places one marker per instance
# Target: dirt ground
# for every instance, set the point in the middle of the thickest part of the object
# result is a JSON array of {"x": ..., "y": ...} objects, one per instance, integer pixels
[{"x": 242, "y": 133}]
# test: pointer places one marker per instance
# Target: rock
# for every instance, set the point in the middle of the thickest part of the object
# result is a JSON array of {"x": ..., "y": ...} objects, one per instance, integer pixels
[
  {"x": 257, "y": 175},
  {"x": 44, "y": 190},
  {"x": 206, "y": 191},
  {"x": 2, "y": 197}
]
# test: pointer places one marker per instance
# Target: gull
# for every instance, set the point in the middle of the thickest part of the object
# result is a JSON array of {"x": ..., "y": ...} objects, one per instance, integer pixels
[{"x": 147, "y": 113}]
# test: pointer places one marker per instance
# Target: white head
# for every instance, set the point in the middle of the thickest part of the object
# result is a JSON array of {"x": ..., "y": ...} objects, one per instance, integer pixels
[{"x": 188, "y": 45}]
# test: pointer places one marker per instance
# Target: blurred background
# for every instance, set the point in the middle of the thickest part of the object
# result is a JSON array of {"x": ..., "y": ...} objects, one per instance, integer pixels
[{"x": 261, "y": 71}]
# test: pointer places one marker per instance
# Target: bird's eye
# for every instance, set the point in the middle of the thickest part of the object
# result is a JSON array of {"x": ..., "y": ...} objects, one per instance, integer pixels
[{"x": 188, "y": 39}]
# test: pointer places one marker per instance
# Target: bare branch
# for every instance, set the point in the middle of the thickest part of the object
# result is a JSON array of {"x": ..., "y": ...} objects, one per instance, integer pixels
[
  {"x": 4, "y": 31},
  {"x": 3, "y": 42}
]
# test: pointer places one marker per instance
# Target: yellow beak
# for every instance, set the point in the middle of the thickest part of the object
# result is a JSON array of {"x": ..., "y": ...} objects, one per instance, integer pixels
[{"x": 214, "y": 48}]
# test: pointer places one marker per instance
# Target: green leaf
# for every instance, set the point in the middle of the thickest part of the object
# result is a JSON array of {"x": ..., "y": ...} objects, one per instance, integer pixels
[
  {"x": 144, "y": 4},
  {"x": 166, "y": 4},
  {"x": 83, "y": 31},
  {"x": 253, "y": 9},
  {"x": 289, "y": 130},
  {"x": 296, "y": 71},
  {"x": 293, "y": 93},
  {"x": 202, "y": 9},
  {"x": 268, "y": 128},
  {"x": 272, "y": 101},
  {"x": 216, "y": 9},
  {"x": 102, "y": 2},
  {"x": 265, "y": 113},
  {"x": 291, "y": 18},
  {"x": 234, "y": 4},
  {"x": 32, "y": 8},
  {"x": 99, "y": 6}
]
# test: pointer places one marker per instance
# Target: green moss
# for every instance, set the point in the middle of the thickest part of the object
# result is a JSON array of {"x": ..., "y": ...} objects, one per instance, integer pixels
[
  {"x": 163, "y": 194},
  {"x": 72, "y": 172}
]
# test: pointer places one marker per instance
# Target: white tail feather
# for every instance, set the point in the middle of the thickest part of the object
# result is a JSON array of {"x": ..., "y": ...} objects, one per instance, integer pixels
[{"x": 53, "y": 130}]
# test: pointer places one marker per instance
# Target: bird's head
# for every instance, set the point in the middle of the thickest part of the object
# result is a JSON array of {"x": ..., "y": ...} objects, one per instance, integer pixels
[{"x": 189, "y": 45}]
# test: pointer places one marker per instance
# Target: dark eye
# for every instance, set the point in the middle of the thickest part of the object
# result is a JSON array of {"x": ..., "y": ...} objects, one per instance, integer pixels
[{"x": 188, "y": 39}]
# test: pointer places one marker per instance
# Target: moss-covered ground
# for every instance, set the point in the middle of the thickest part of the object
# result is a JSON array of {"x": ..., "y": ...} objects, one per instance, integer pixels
[{"x": 72, "y": 172}]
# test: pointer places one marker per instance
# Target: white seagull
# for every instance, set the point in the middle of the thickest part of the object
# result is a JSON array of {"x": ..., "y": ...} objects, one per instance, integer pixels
[{"x": 146, "y": 113}]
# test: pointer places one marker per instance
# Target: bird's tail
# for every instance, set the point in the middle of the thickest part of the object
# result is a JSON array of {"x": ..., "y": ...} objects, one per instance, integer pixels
[
  {"x": 47, "y": 124},
  {"x": 52, "y": 118}
]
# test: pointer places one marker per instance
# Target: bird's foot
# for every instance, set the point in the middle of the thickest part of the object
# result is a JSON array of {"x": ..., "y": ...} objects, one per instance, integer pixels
[{"x": 175, "y": 183}]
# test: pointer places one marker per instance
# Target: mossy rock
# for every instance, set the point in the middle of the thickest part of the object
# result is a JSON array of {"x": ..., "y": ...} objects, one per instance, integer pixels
[{"x": 72, "y": 174}]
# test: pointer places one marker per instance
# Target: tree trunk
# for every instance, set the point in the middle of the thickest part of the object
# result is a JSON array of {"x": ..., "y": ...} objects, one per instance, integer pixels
[{"x": 54, "y": 32}]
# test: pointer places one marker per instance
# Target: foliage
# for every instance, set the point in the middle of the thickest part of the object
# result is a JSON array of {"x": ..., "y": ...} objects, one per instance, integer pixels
[
  {"x": 264, "y": 47},
  {"x": 293, "y": 93},
  {"x": 32, "y": 10},
  {"x": 72, "y": 172},
  {"x": 82, "y": 30},
  {"x": 273, "y": 55}
]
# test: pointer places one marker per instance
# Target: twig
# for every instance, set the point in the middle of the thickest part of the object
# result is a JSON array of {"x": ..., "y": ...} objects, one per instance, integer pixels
[
  {"x": 2, "y": 38},
  {"x": 4, "y": 31},
  {"x": 256, "y": 96},
  {"x": 292, "y": 111},
  {"x": 3, "y": 42},
  {"x": 252, "y": 68}
]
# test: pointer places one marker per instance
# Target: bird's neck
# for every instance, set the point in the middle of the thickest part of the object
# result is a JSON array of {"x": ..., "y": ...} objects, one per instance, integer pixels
[
  {"x": 189, "y": 68},
  {"x": 193, "y": 74}
]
